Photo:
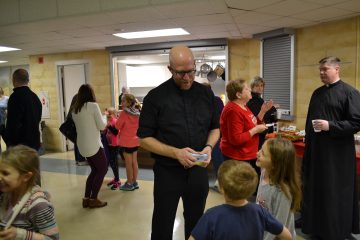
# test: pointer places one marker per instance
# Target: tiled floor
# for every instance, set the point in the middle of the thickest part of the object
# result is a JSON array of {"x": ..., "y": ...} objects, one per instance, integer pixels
[{"x": 128, "y": 214}]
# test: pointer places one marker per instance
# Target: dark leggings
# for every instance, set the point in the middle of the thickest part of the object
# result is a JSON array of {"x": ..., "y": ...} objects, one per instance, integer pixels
[
  {"x": 113, "y": 152},
  {"x": 98, "y": 165}
]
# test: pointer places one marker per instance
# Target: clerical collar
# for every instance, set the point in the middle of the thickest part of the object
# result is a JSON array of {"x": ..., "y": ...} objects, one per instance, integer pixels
[{"x": 333, "y": 84}]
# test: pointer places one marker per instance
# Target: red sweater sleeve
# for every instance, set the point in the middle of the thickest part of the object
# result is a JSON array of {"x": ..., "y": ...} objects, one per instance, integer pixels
[{"x": 235, "y": 128}]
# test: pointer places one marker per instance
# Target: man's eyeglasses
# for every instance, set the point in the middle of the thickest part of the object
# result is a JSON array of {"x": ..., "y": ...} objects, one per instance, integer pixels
[{"x": 183, "y": 73}]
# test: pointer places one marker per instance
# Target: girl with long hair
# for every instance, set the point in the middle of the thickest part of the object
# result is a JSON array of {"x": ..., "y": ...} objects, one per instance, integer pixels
[
  {"x": 279, "y": 188},
  {"x": 128, "y": 124},
  {"x": 25, "y": 209}
]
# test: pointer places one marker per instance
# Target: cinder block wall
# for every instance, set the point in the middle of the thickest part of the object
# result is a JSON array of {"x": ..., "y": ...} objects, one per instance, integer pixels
[
  {"x": 338, "y": 38},
  {"x": 44, "y": 78}
]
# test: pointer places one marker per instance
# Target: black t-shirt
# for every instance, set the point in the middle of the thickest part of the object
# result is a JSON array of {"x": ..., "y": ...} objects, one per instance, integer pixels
[{"x": 179, "y": 118}]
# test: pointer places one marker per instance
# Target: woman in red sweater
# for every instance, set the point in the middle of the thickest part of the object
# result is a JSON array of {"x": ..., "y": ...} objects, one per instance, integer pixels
[
  {"x": 128, "y": 124},
  {"x": 238, "y": 125}
]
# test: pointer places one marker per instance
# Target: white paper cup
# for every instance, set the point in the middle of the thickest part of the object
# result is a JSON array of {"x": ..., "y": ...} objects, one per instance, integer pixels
[{"x": 315, "y": 130}]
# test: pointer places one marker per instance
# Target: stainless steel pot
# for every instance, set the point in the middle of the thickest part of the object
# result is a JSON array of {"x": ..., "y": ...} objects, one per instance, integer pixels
[{"x": 211, "y": 76}]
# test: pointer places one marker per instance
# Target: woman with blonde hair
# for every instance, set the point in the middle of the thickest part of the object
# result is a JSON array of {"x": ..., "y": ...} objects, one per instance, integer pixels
[
  {"x": 89, "y": 121},
  {"x": 128, "y": 124}
]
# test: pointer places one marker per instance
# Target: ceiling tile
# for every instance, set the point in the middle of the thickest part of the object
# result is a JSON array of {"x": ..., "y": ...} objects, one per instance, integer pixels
[
  {"x": 326, "y": 2},
  {"x": 136, "y": 15},
  {"x": 353, "y": 5},
  {"x": 288, "y": 8},
  {"x": 41, "y": 26},
  {"x": 252, "y": 29},
  {"x": 122, "y": 4},
  {"x": 287, "y": 22},
  {"x": 193, "y": 8},
  {"x": 203, "y": 20},
  {"x": 37, "y": 9},
  {"x": 9, "y": 12},
  {"x": 71, "y": 7},
  {"x": 92, "y": 20},
  {"x": 249, "y": 5},
  {"x": 323, "y": 14},
  {"x": 207, "y": 29},
  {"x": 255, "y": 18}
]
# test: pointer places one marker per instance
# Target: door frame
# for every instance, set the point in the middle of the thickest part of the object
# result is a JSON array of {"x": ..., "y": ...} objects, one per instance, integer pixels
[{"x": 61, "y": 113}]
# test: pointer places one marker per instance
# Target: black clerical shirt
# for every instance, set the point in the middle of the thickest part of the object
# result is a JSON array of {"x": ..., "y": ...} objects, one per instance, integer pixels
[{"x": 179, "y": 118}]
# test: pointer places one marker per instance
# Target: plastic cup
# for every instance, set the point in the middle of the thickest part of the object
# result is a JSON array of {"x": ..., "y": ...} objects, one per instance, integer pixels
[{"x": 315, "y": 130}]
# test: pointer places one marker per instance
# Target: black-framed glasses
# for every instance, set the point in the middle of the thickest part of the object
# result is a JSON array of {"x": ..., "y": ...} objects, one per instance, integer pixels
[{"x": 183, "y": 73}]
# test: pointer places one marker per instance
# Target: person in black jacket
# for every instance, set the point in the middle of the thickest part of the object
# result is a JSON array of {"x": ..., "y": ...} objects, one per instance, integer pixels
[
  {"x": 179, "y": 118},
  {"x": 257, "y": 89},
  {"x": 23, "y": 113}
]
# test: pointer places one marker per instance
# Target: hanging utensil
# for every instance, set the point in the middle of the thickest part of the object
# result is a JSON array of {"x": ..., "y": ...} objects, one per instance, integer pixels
[
  {"x": 219, "y": 69},
  {"x": 211, "y": 76},
  {"x": 205, "y": 69}
]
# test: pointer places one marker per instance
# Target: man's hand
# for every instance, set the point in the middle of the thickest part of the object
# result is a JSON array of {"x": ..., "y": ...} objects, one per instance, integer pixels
[
  {"x": 184, "y": 157},
  {"x": 207, "y": 150},
  {"x": 321, "y": 124},
  {"x": 8, "y": 234}
]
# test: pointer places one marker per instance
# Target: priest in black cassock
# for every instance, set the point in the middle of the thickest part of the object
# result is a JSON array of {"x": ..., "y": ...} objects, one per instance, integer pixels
[{"x": 330, "y": 205}]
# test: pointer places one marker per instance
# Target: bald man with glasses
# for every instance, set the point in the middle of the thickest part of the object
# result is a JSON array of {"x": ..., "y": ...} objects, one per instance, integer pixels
[{"x": 179, "y": 118}]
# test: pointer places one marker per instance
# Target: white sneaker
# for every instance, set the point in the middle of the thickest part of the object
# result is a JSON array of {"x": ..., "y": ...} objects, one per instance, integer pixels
[{"x": 82, "y": 163}]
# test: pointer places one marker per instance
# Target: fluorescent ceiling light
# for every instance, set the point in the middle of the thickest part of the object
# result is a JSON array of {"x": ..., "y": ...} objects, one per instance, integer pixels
[
  {"x": 3, "y": 61},
  {"x": 7, "y": 49},
  {"x": 221, "y": 57},
  {"x": 153, "y": 33}
]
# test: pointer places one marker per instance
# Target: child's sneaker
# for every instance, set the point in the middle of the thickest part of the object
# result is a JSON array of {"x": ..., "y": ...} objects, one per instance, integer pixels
[
  {"x": 136, "y": 185},
  {"x": 127, "y": 187},
  {"x": 115, "y": 185},
  {"x": 111, "y": 183}
]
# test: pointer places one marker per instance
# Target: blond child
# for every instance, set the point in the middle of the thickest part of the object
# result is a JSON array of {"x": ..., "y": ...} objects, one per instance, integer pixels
[
  {"x": 237, "y": 218},
  {"x": 279, "y": 187},
  {"x": 128, "y": 124},
  {"x": 25, "y": 209}
]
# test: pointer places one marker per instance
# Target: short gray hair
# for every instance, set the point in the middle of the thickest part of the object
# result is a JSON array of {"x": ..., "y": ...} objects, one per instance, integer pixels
[
  {"x": 256, "y": 81},
  {"x": 330, "y": 60}
]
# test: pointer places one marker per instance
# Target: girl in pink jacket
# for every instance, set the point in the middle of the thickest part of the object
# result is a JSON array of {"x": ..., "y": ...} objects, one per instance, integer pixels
[
  {"x": 128, "y": 124},
  {"x": 112, "y": 136}
]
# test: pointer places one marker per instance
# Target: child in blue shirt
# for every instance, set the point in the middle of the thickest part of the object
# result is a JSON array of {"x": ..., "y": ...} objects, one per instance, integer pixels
[{"x": 237, "y": 218}]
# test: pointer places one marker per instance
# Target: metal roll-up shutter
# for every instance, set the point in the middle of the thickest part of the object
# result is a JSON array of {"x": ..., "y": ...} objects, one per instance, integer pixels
[{"x": 277, "y": 71}]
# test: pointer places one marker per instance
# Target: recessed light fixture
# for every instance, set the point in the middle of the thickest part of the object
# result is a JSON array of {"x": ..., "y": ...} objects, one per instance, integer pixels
[
  {"x": 153, "y": 33},
  {"x": 3, "y": 61},
  {"x": 220, "y": 57},
  {"x": 7, "y": 49}
]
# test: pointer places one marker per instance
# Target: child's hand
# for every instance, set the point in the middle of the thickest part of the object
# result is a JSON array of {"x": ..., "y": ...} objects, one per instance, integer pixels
[{"x": 8, "y": 234}]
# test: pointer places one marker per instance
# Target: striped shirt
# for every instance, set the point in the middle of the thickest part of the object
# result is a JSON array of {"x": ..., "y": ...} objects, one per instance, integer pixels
[{"x": 36, "y": 220}]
